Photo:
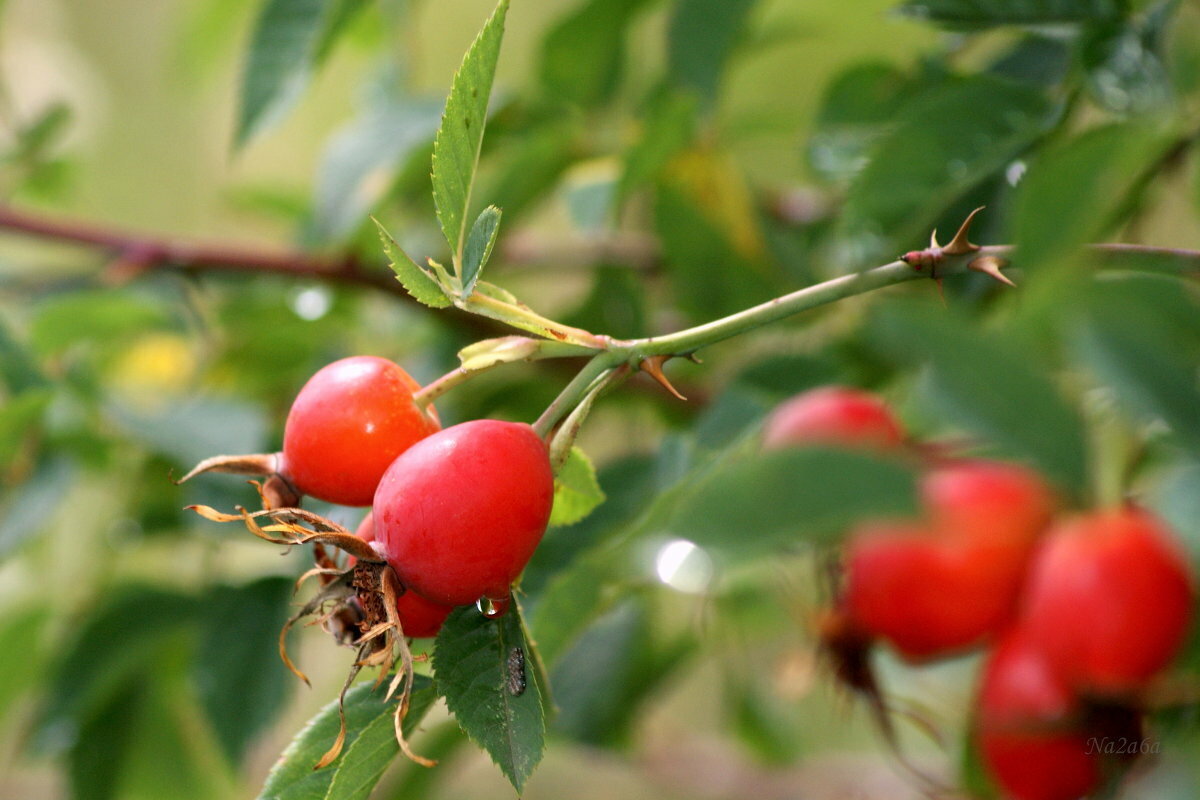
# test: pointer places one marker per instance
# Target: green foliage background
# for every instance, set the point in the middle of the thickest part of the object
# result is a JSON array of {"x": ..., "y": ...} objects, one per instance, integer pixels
[{"x": 658, "y": 163}]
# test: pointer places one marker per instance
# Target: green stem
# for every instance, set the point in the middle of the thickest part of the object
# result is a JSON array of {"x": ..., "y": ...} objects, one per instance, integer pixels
[
  {"x": 564, "y": 437},
  {"x": 575, "y": 391},
  {"x": 537, "y": 350},
  {"x": 435, "y": 389},
  {"x": 692, "y": 339}
]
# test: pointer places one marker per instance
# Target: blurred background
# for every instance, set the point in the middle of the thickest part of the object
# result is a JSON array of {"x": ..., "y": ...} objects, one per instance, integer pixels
[{"x": 174, "y": 173}]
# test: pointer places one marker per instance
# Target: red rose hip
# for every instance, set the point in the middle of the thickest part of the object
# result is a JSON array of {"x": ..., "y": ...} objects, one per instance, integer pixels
[
  {"x": 836, "y": 415},
  {"x": 1029, "y": 727},
  {"x": 460, "y": 513},
  {"x": 943, "y": 584},
  {"x": 419, "y": 618},
  {"x": 991, "y": 501},
  {"x": 1109, "y": 600},
  {"x": 347, "y": 425}
]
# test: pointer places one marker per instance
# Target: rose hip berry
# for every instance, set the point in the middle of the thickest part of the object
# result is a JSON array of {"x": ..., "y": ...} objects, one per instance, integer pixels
[
  {"x": 460, "y": 513},
  {"x": 1109, "y": 600},
  {"x": 940, "y": 585},
  {"x": 419, "y": 618},
  {"x": 1029, "y": 727},
  {"x": 989, "y": 500},
  {"x": 346, "y": 426},
  {"x": 835, "y": 415}
]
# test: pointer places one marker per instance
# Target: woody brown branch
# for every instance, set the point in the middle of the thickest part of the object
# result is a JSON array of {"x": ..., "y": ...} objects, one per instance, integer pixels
[{"x": 132, "y": 253}]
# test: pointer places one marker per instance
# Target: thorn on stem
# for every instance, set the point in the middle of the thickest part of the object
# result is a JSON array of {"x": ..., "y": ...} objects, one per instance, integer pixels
[
  {"x": 960, "y": 244},
  {"x": 990, "y": 266},
  {"x": 652, "y": 366}
]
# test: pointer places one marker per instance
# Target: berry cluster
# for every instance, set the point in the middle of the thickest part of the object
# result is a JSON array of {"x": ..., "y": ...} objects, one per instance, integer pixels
[
  {"x": 456, "y": 513},
  {"x": 1080, "y": 612}
]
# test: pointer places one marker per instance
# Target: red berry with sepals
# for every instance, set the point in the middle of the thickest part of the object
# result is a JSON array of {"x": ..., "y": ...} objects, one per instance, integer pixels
[
  {"x": 1030, "y": 728},
  {"x": 419, "y": 618}
]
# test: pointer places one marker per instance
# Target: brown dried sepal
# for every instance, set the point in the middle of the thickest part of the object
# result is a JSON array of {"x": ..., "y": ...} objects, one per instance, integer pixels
[
  {"x": 357, "y": 605},
  {"x": 261, "y": 464}
]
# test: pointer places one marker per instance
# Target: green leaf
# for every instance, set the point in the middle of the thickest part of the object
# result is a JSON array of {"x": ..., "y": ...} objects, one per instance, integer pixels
[
  {"x": 710, "y": 277},
  {"x": 93, "y": 318},
  {"x": 989, "y": 388},
  {"x": 18, "y": 370},
  {"x": 583, "y": 54},
  {"x": 359, "y": 164},
  {"x": 23, "y": 512},
  {"x": 370, "y": 746},
  {"x": 417, "y": 282},
  {"x": 104, "y": 741},
  {"x": 615, "y": 304},
  {"x": 1131, "y": 346},
  {"x": 456, "y": 148},
  {"x": 1126, "y": 73},
  {"x": 113, "y": 644},
  {"x": 972, "y": 14},
  {"x": 766, "y": 727},
  {"x": 628, "y": 485},
  {"x": 1074, "y": 189},
  {"x": 190, "y": 430},
  {"x": 576, "y": 490},
  {"x": 282, "y": 52},
  {"x": 528, "y": 167},
  {"x": 601, "y": 682},
  {"x": 751, "y": 508},
  {"x": 668, "y": 127},
  {"x": 700, "y": 38},
  {"x": 240, "y": 679},
  {"x": 19, "y": 417},
  {"x": 943, "y": 144},
  {"x": 471, "y": 659},
  {"x": 854, "y": 111},
  {"x": 480, "y": 242},
  {"x": 1175, "y": 496},
  {"x": 167, "y": 757},
  {"x": 22, "y": 652}
]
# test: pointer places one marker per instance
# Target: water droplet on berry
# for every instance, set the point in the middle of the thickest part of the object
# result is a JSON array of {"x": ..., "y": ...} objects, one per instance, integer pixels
[{"x": 492, "y": 607}]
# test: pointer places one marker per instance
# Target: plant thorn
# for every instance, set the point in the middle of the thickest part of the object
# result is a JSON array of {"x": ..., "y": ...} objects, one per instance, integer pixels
[
  {"x": 960, "y": 244},
  {"x": 990, "y": 266},
  {"x": 652, "y": 366}
]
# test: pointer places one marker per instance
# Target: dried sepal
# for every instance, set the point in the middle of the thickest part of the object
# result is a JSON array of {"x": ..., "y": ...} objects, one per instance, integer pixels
[
  {"x": 259, "y": 464},
  {"x": 300, "y": 526},
  {"x": 336, "y": 749},
  {"x": 361, "y": 599}
]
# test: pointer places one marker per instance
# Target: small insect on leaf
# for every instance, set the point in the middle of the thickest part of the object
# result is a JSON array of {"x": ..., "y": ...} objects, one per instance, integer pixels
[{"x": 516, "y": 671}]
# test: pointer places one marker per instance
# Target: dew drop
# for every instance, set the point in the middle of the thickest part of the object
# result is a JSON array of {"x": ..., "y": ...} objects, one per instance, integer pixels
[{"x": 492, "y": 607}]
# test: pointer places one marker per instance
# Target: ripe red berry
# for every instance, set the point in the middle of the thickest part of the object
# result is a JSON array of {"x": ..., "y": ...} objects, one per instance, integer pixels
[
  {"x": 937, "y": 586},
  {"x": 1030, "y": 729},
  {"x": 419, "y": 618},
  {"x": 1109, "y": 600},
  {"x": 989, "y": 500},
  {"x": 346, "y": 426},
  {"x": 836, "y": 415},
  {"x": 460, "y": 513}
]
